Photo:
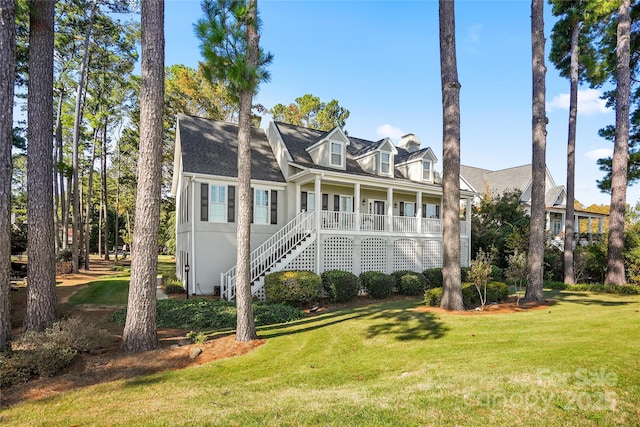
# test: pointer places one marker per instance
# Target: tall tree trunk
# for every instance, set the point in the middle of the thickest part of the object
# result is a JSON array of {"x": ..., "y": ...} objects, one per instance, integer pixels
[
  {"x": 534, "y": 290},
  {"x": 41, "y": 290},
  {"x": 569, "y": 277},
  {"x": 246, "y": 328},
  {"x": 7, "y": 78},
  {"x": 452, "y": 286},
  {"x": 67, "y": 210},
  {"x": 104, "y": 203},
  {"x": 75, "y": 217},
  {"x": 57, "y": 182},
  {"x": 615, "y": 261},
  {"x": 87, "y": 215},
  {"x": 140, "y": 328},
  {"x": 116, "y": 225}
]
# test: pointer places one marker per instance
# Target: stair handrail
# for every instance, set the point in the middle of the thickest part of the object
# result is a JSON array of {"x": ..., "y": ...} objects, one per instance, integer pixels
[{"x": 270, "y": 252}]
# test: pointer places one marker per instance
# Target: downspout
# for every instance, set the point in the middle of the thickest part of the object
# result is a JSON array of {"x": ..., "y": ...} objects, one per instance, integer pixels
[{"x": 193, "y": 234}]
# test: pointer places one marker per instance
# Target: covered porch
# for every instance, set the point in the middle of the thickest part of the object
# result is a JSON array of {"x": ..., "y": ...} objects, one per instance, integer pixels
[{"x": 588, "y": 227}]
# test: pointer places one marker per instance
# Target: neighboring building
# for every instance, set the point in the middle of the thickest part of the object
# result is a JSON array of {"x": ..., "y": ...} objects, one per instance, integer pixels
[
  {"x": 487, "y": 182},
  {"x": 321, "y": 201}
]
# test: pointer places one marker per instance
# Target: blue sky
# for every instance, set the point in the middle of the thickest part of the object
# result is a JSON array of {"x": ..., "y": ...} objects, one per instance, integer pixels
[{"x": 380, "y": 60}]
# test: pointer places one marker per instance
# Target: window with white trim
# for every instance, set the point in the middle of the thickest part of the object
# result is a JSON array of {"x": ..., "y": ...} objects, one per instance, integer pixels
[
  {"x": 261, "y": 207},
  {"x": 409, "y": 209},
  {"x": 217, "y": 203},
  {"x": 426, "y": 170},
  {"x": 346, "y": 204},
  {"x": 432, "y": 211},
  {"x": 311, "y": 202},
  {"x": 336, "y": 154},
  {"x": 385, "y": 162}
]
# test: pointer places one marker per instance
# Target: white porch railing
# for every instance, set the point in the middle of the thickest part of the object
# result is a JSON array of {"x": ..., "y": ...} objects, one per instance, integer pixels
[
  {"x": 334, "y": 220},
  {"x": 265, "y": 256},
  {"x": 373, "y": 222},
  {"x": 405, "y": 224}
]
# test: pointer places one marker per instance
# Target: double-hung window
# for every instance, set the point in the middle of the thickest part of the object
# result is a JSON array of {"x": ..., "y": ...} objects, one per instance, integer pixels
[
  {"x": 218, "y": 203},
  {"x": 426, "y": 170},
  {"x": 409, "y": 209},
  {"x": 336, "y": 154},
  {"x": 261, "y": 207},
  {"x": 385, "y": 163}
]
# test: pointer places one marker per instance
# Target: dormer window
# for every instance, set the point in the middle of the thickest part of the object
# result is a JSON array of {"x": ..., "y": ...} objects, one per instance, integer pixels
[
  {"x": 336, "y": 154},
  {"x": 426, "y": 170},
  {"x": 385, "y": 163}
]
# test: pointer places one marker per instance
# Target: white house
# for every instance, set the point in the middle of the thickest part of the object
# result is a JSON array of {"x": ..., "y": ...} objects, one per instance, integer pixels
[{"x": 321, "y": 200}]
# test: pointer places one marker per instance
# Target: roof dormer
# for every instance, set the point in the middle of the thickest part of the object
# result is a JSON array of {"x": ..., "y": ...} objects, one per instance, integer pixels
[
  {"x": 330, "y": 150},
  {"x": 419, "y": 165},
  {"x": 378, "y": 158}
]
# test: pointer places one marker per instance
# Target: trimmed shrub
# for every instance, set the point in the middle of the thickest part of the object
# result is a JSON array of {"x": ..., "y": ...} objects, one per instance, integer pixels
[
  {"x": 496, "y": 292},
  {"x": 464, "y": 274},
  {"x": 497, "y": 273},
  {"x": 200, "y": 313},
  {"x": 378, "y": 285},
  {"x": 409, "y": 282},
  {"x": 292, "y": 287},
  {"x": 342, "y": 286},
  {"x": 434, "y": 277},
  {"x": 595, "y": 287},
  {"x": 433, "y": 297},
  {"x": 172, "y": 285}
]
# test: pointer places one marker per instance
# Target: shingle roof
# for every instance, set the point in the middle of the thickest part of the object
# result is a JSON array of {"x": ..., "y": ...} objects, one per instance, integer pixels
[
  {"x": 500, "y": 181},
  {"x": 211, "y": 147},
  {"x": 298, "y": 139}
]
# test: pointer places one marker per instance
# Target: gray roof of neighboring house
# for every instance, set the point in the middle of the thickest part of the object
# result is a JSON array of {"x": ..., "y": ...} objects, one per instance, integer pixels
[
  {"x": 484, "y": 180},
  {"x": 500, "y": 181},
  {"x": 298, "y": 139},
  {"x": 211, "y": 147}
]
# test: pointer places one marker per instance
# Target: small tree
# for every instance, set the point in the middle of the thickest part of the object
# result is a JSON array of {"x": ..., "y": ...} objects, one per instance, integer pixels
[
  {"x": 480, "y": 273},
  {"x": 516, "y": 272}
]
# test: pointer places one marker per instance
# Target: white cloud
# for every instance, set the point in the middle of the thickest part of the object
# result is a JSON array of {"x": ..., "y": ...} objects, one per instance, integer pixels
[
  {"x": 473, "y": 33},
  {"x": 599, "y": 153},
  {"x": 589, "y": 102},
  {"x": 389, "y": 131}
]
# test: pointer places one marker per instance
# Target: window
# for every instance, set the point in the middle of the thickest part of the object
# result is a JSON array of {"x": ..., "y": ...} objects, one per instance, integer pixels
[
  {"x": 261, "y": 207},
  {"x": 426, "y": 170},
  {"x": 218, "y": 203},
  {"x": 336, "y": 154},
  {"x": 409, "y": 209},
  {"x": 385, "y": 162},
  {"x": 432, "y": 211},
  {"x": 346, "y": 204},
  {"x": 311, "y": 202}
]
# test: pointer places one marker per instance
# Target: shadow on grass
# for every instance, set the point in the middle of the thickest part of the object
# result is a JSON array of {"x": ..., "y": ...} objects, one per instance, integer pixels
[
  {"x": 589, "y": 298},
  {"x": 407, "y": 325},
  {"x": 395, "y": 319}
]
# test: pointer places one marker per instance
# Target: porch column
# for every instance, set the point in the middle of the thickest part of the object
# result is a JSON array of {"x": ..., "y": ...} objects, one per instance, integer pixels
[
  {"x": 547, "y": 226},
  {"x": 356, "y": 202},
  {"x": 600, "y": 226},
  {"x": 318, "y": 194},
  {"x": 564, "y": 222},
  {"x": 419, "y": 212},
  {"x": 589, "y": 230},
  {"x": 389, "y": 209},
  {"x": 468, "y": 221},
  {"x": 296, "y": 209}
]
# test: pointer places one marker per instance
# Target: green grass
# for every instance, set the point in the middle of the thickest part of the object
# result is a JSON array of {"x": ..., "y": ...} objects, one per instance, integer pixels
[
  {"x": 107, "y": 291},
  {"x": 575, "y": 363}
]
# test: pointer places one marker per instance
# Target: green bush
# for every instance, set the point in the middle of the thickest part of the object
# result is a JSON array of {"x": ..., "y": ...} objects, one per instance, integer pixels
[
  {"x": 292, "y": 287},
  {"x": 496, "y": 292},
  {"x": 464, "y": 274},
  {"x": 200, "y": 313},
  {"x": 595, "y": 287},
  {"x": 433, "y": 297},
  {"x": 378, "y": 285},
  {"x": 497, "y": 273},
  {"x": 434, "y": 277},
  {"x": 172, "y": 285},
  {"x": 409, "y": 282},
  {"x": 342, "y": 286}
]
